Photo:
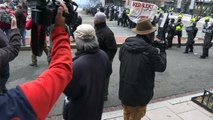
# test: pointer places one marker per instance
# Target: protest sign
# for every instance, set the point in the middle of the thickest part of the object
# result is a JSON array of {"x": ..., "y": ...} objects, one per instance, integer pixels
[{"x": 141, "y": 10}]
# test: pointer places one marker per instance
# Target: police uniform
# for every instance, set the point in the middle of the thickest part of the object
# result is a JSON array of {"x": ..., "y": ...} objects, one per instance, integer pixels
[
  {"x": 191, "y": 32},
  {"x": 178, "y": 31},
  {"x": 205, "y": 26},
  {"x": 207, "y": 41},
  {"x": 171, "y": 33}
]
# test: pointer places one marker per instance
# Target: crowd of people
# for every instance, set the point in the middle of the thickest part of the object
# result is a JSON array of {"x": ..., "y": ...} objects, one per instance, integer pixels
[
  {"x": 84, "y": 79},
  {"x": 171, "y": 28}
]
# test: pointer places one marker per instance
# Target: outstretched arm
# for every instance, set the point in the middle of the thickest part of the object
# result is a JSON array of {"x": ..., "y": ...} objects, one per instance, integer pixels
[{"x": 43, "y": 92}]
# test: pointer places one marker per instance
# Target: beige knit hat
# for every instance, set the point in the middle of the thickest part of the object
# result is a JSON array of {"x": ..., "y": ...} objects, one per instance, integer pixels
[{"x": 85, "y": 32}]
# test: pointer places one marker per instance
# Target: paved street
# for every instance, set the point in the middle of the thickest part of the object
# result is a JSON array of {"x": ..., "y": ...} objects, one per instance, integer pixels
[{"x": 184, "y": 73}]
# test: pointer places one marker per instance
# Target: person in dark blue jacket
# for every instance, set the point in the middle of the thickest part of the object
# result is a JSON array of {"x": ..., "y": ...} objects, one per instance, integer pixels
[{"x": 91, "y": 68}]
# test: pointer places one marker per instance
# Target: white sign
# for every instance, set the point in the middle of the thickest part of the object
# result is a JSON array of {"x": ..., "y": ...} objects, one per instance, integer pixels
[
  {"x": 179, "y": 3},
  {"x": 142, "y": 10}
]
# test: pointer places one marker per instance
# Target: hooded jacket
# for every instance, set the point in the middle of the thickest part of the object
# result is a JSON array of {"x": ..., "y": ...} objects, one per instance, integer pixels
[{"x": 139, "y": 62}]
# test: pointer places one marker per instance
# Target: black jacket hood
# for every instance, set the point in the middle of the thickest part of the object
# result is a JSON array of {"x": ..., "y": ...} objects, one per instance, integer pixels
[{"x": 133, "y": 45}]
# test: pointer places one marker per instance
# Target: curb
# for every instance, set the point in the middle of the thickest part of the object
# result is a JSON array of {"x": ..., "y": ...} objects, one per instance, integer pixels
[{"x": 73, "y": 46}]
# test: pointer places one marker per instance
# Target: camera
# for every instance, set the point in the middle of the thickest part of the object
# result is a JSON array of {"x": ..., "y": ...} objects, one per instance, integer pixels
[
  {"x": 43, "y": 13},
  {"x": 159, "y": 44}
]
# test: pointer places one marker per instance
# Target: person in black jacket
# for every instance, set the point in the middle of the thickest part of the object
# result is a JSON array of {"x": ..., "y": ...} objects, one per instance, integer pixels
[
  {"x": 106, "y": 40},
  {"x": 192, "y": 32},
  {"x": 140, "y": 58},
  {"x": 86, "y": 89},
  {"x": 207, "y": 41}
]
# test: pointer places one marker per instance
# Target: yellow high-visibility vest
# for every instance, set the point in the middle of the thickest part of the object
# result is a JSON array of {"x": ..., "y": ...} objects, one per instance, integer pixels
[
  {"x": 180, "y": 15},
  {"x": 178, "y": 28},
  {"x": 193, "y": 19},
  {"x": 207, "y": 18}
]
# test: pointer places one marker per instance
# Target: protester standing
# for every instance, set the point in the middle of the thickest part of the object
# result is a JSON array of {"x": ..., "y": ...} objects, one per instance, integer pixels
[
  {"x": 139, "y": 62},
  {"x": 45, "y": 47},
  {"x": 21, "y": 21},
  {"x": 86, "y": 89},
  {"x": 106, "y": 40}
]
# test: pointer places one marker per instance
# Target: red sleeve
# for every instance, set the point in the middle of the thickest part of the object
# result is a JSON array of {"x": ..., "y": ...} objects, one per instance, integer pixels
[
  {"x": 28, "y": 25},
  {"x": 43, "y": 92}
]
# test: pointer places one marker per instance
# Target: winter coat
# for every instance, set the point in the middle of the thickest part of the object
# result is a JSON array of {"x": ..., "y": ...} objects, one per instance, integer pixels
[
  {"x": 9, "y": 52},
  {"x": 33, "y": 100},
  {"x": 86, "y": 90},
  {"x": 106, "y": 40},
  {"x": 4, "y": 70},
  {"x": 3, "y": 39},
  {"x": 139, "y": 62}
]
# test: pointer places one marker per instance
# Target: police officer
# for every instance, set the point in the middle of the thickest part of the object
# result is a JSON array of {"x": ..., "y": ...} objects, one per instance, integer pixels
[
  {"x": 207, "y": 41},
  {"x": 111, "y": 17},
  {"x": 192, "y": 32},
  {"x": 171, "y": 32},
  {"x": 178, "y": 31},
  {"x": 206, "y": 24}
]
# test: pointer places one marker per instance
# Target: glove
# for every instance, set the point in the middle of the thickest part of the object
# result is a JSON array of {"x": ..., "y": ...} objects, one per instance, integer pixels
[{"x": 160, "y": 44}]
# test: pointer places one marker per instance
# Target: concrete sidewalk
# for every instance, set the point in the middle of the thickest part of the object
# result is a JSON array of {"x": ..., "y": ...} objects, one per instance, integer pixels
[{"x": 181, "y": 108}]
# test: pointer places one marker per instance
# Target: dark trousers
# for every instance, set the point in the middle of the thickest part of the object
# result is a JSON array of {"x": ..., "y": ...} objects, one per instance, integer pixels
[
  {"x": 179, "y": 35},
  {"x": 170, "y": 39},
  {"x": 106, "y": 92},
  {"x": 205, "y": 52},
  {"x": 206, "y": 46},
  {"x": 111, "y": 16},
  {"x": 125, "y": 24},
  {"x": 189, "y": 46},
  {"x": 4, "y": 75},
  {"x": 120, "y": 21}
]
